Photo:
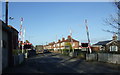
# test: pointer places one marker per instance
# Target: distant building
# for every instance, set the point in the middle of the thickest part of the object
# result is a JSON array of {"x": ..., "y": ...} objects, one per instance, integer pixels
[
  {"x": 61, "y": 44},
  {"x": 74, "y": 43},
  {"x": 39, "y": 48},
  {"x": 109, "y": 45},
  {"x": 84, "y": 47},
  {"x": 28, "y": 46}
]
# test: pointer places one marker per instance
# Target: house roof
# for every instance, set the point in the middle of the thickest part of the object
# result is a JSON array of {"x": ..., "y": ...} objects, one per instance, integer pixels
[
  {"x": 103, "y": 42},
  {"x": 39, "y": 45},
  {"x": 69, "y": 40},
  {"x": 52, "y": 43},
  {"x": 4, "y": 26},
  {"x": 118, "y": 41},
  {"x": 12, "y": 28}
]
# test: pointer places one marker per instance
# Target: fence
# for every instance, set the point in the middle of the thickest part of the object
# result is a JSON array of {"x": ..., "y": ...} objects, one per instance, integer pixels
[
  {"x": 91, "y": 57},
  {"x": 104, "y": 57}
]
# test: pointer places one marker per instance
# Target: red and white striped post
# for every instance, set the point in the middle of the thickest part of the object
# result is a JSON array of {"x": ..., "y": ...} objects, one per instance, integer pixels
[
  {"x": 21, "y": 35},
  {"x": 88, "y": 36}
]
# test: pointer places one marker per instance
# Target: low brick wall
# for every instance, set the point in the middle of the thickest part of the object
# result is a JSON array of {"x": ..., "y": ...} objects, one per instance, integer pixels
[{"x": 104, "y": 57}]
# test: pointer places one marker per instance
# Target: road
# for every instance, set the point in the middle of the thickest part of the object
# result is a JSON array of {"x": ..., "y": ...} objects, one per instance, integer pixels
[{"x": 57, "y": 63}]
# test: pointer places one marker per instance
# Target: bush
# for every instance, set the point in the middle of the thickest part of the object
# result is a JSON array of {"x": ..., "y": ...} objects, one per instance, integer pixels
[
  {"x": 65, "y": 51},
  {"x": 50, "y": 50},
  {"x": 15, "y": 52},
  {"x": 18, "y": 51},
  {"x": 81, "y": 55}
]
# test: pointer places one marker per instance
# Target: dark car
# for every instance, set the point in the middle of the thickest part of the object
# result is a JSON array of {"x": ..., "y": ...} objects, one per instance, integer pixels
[
  {"x": 31, "y": 53},
  {"x": 45, "y": 51}
]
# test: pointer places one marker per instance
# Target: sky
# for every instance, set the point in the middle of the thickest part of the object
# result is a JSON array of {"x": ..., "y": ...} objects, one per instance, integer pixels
[{"x": 46, "y": 22}]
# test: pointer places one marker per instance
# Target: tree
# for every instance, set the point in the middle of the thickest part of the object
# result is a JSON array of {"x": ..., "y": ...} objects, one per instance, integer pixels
[
  {"x": 113, "y": 21},
  {"x": 68, "y": 44},
  {"x": 27, "y": 41}
]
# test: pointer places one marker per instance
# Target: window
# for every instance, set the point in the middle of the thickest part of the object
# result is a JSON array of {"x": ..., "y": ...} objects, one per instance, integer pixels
[
  {"x": 84, "y": 44},
  {"x": 113, "y": 48},
  {"x": 73, "y": 44},
  {"x": 63, "y": 43},
  {"x": 3, "y": 43},
  {"x": 102, "y": 48}
]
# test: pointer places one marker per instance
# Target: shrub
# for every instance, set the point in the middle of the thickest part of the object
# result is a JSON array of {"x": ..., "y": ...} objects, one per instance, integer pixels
[
  {"x": 81, "y": 55},
  {"x": 50, "y": 50},
  {"x": 65, "y": 51},
  {"x": 18, "y": 51}
]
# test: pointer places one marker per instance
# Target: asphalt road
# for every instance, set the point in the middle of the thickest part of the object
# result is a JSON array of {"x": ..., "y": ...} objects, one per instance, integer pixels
[{"x": 57, "y": 63}]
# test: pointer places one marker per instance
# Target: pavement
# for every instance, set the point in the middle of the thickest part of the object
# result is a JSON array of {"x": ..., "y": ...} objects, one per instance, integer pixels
[{"x": 57, "y": 63}]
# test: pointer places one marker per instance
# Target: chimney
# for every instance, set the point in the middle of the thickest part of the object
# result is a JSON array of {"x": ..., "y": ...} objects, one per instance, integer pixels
[
  {"x": 69, "y": 37},
  {"x": 59, "y": 40},
  {"x": 63, "y": 39},
  {"x": 114, "y": 37}
]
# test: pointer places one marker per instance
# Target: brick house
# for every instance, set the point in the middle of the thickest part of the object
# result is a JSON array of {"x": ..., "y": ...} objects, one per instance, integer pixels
[
  {"x": 61, "y": 44},
  {"x": 73, "y": 42},
  {"x": 51, "y": 45},
  {"x": 108, "y": 46}
]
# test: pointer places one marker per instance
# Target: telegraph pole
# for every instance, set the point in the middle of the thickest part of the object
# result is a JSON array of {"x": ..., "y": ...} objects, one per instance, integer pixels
[{"x": 6, "y": 13}]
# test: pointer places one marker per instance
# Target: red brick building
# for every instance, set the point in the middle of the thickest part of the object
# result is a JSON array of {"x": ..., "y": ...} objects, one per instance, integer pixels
[{"x": 61, "y": 44}]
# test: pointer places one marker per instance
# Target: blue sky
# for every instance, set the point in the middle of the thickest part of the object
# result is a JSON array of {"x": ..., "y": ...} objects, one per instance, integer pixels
[{"x": 44, "y": 20}]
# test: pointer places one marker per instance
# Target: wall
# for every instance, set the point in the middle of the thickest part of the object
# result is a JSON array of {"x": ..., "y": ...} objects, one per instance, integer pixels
[
  {"x": 95, "y": 48},
  {"x": 76, "y": 45},
  {"x": 110, "y": 58},
  {"x": 91, "y": 57},
  {"x": 18, "y": 59},
  {"x": 0, "y": 50},
  {"x": 4, "y": 49},
  {"x": 104, "y": 57}
]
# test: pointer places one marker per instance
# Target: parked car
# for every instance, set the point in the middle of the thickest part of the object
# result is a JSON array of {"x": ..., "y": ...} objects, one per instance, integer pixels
[
  {"x": 45, "y": 51},
  {"x": 31, "y": 53}
]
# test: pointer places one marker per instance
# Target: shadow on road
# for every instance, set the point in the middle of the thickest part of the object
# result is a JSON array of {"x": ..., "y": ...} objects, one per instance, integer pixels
[{"x": 55, "y": 63}]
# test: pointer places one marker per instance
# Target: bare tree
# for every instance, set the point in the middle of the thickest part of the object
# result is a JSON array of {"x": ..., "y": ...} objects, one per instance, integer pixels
[{"x": 113, "y": 21}]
